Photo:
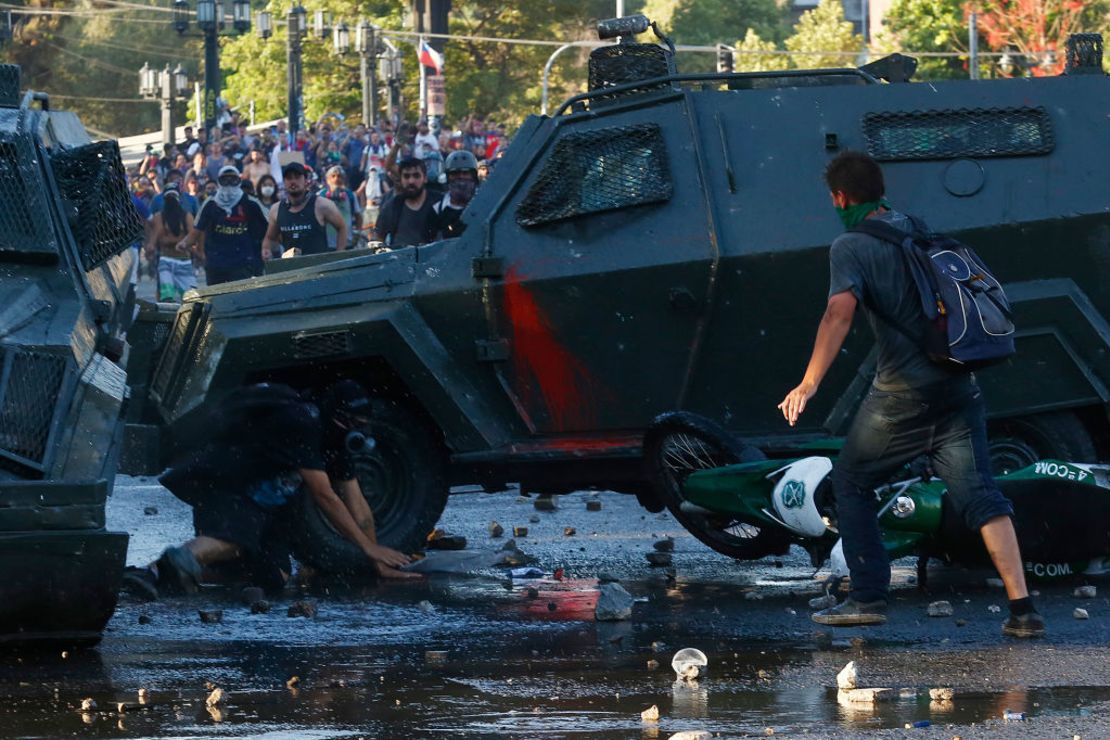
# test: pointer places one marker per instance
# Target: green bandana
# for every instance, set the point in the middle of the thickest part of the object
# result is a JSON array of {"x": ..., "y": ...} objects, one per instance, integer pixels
[{"x": 854, "y": 214}]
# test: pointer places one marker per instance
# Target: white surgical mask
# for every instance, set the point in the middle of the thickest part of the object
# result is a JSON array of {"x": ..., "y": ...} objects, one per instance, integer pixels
[{"x": 267, "y": 190}]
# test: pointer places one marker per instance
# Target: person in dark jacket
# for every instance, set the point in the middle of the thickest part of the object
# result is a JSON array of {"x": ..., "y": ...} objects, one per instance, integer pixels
[{"x": 408, "y": 218}]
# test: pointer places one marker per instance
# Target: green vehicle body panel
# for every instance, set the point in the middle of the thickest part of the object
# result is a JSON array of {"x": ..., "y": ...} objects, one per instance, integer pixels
[{"x": 543, "y": 352}]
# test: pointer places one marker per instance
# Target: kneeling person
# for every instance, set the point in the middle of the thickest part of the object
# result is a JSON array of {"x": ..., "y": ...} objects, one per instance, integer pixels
[{"x": 269, "y": 446}]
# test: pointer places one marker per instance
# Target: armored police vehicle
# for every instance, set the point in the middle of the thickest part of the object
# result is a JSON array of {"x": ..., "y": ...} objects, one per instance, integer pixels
[
  {"x": 660, "y": 243},
  {"x": 66, "y": 225}
]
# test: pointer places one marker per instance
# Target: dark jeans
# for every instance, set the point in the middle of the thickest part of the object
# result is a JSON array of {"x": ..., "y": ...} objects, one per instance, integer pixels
[{"x": 945, "y": 421}]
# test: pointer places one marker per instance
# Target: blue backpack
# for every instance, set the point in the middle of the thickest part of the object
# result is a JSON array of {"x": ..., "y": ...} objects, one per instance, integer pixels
[{"x": 968, "y": 322}]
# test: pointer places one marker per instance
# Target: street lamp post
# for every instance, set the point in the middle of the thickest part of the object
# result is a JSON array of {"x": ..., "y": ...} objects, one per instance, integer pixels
[
  {"x": 210, "y": 20},
  {"x": 167, "y": 86},
  {"x": 296, "y": 28},
  {"x": 367, "y": 43}
]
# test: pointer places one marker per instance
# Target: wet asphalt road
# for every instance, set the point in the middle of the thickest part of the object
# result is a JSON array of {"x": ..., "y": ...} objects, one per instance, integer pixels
[{"x": 542, "y": 668}]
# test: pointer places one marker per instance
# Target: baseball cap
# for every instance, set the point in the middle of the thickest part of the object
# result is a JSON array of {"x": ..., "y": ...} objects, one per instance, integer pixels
[
  {"x": 294, "y": 168},
  {"x": 227, "y": 169}
]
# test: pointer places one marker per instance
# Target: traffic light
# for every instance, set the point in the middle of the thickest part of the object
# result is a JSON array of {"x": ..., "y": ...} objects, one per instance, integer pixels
[{"x": 724, "y": 58}]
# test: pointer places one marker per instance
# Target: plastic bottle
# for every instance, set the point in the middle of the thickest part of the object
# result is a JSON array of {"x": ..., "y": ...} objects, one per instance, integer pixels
[{"x": 1013, "y": 716}]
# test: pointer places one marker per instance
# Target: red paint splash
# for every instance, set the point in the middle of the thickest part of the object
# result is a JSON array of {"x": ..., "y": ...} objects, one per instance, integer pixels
[{"x": 545, "y": 372}]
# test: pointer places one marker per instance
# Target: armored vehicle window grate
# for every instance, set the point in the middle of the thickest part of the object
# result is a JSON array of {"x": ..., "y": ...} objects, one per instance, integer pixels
[
  {"x": 24, "y": 218},
  {"x": 9, "y": 85},
  {"x": 599, "y": 170},
  {"x": 950, "y": 134},
  {"x": 93, "y": 183},
  {"x": 173, "y": 354},
  {"x": 321, "y": 344},
  {"x": 31, "y": 382}
]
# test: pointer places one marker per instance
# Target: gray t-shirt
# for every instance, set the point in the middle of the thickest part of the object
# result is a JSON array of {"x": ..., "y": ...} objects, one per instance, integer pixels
[{"x": 876, "y": 272}]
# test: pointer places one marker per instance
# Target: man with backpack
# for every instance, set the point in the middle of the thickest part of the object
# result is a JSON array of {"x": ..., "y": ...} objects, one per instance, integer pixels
[
  {"x": 265, "y": 447},
  {"x": 923, "y": 401}
]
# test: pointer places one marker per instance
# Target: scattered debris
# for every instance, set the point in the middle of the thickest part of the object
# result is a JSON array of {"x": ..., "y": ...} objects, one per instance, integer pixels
[
  {"x": 437, "y": 657},
  {"x": 664, "y": 545},
  {"x": 921, "y": 723},
  {"x": 692, "y": 735},
  {"x": 944, "y": 694},
  {"x": 651, "y": 714},
  {"x": 1081, "y": 614},
  {"x": 214, "y": 616},
  {"x": 150, "y": 511},
  {"x": 689, "y": 663},
  {"x": 260, "y": 607},
  {"x": 88, "y": 705},
  {"x": 940, "y": 609},
  {"x": 509, "y": 546},
  {"x": 306, "y": 609},
  {"x": 961, "y": 622},
  {"x": 216, "y": 698},
  {"x": 526, "y": 573},
  {"x": 606, "y": 577},
  {"x": 128, "y": 706},
  {"x": 995, "y": 583},
  {"x": 652, "y": 664},
  {"x": 659, "y": 559},
  {"x": 532, "y": 592},
  {"x": 1013, "y": 716},
  {"x": 292, "y": 682},
  {"x": 1086, "y": 592},
  {"x": 994, "y": 609},
  {"x": 614, "y": 604},
  {"x": 865, "y": 696},
  {"x": 144, "y": 696},
  {"x": 495, "y": 530},
  {"x": 859, "y": 643},
  {"x": 569, "y": 531},
  {"x": 144, "y": 619},
  {"x": 593, "y": 505},
  {"x": 426, "y": 607},
  {"x": 448, "y": 542},
  {"x": 753, "y": 596},
  {"x": 544, "y": 503},
  {"x": 534, "y": 519},
  {"x": 848, "y": 676},
  {"x": 520, "y": 531}
]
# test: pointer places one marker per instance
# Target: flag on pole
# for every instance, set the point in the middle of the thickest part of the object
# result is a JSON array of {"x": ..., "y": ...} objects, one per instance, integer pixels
[{"x": 429, "y": 57}]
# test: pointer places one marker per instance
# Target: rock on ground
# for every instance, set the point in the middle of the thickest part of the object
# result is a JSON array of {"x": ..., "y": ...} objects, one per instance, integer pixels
[
  {"x": 848, "y": 676},
  {"x": 940, "y": 609},
  {"x": 651, "y": 714},
  {"x": 865, "y": 696},
  {"x": 614, "y": 604},
  {"x": 216, "y": 698},
  {"x": 692, "y": 735}
]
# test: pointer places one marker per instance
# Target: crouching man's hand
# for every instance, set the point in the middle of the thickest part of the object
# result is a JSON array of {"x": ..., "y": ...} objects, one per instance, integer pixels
[{"x": 387, "y": 561}]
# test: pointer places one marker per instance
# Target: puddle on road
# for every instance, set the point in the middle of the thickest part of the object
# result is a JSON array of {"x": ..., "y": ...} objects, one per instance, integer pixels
[{"x": 509, "y": 671}]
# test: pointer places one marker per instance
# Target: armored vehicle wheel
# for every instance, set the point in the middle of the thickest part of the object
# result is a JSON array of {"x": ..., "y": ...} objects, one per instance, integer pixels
[
  {"x": 403, "y": 479},
  {"x": 1019, "y": 442},
  {"x": 680, "y": 443}
]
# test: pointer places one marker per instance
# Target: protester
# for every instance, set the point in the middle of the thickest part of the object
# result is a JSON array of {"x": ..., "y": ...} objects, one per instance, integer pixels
[
  {"x": 408, "y": 218},
  {"x": 915, "y": 407},
  {"x": 267, "y": 193},
  {"x": 169, "y": 226},
  {"x": 255, "y": 167},
  {"x": 187, "y": 201},
  {"x": 297, "y": 222},
  {"x": 228, "y": 232},
  {"x": 462, "y": 182},
  {"x": 266, "y": 447},
  {"x": 339, "y": 194}
]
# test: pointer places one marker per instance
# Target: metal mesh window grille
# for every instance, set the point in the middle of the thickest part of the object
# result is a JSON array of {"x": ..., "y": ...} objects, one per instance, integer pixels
[
  {"x": 9, "y": 85},
  {"x": 321, "y": 344},
  {"x": 620, "y": 64},
  {"x": 951, "y": 134},
  {"x": 184, "y": 329},
  {"x": 29, "y": 386},
  {"x": 93, "y": 182},
  {"x": 24, "y": 218},
  {"x": 599, "y": 170}
]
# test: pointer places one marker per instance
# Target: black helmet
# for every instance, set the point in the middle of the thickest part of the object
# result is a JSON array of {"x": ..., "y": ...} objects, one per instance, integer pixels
[{"x": 460, "y": 161}]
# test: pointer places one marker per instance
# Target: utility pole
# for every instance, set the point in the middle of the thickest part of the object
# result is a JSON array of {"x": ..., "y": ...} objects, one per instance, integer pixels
[
  {"x": 367, "y": 42},
  {"x": 295, "y": 29},
  {"x": 973, "y": 46},
  {"x": 430, "y": 16}
]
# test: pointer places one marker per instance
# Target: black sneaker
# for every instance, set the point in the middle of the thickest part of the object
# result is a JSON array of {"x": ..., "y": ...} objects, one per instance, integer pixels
[
  {"x": 1025, "y": 625},
  {"x": 140, "y": 583},
  {"x": 851, "y": 612},
  {"x": 178, "y": 571}
]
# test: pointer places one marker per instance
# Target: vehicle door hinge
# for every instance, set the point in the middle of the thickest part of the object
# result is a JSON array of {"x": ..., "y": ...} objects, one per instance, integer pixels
[
  {"x": 492, "y": 350},
  {"x": 488, "y": 267}
]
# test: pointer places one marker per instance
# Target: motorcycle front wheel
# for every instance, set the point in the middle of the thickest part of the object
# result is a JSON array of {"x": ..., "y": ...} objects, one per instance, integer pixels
[{"x": 680, "y": 443}]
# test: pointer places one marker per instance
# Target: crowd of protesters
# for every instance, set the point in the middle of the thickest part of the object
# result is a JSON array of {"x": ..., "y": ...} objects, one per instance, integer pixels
[{"x": 215, "y": 199}]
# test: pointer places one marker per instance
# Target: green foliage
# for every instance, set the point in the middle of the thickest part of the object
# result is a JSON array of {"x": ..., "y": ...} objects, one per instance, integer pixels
[
  {"x": 753, "y": 55},
  {"x": 824, "y": 29},
  {"x": 708, "y": 22},
  {"x": 929, "y": 26}
]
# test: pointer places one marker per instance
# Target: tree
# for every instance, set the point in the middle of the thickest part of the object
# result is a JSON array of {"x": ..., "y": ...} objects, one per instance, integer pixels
[
  {"x": 708, "y": 22},
  {"x": 929, "y": 26},
  {"x": 1037, "y": 29},
  {"x": 753, "y": 54},
  {"x": 824, "y": 29}
]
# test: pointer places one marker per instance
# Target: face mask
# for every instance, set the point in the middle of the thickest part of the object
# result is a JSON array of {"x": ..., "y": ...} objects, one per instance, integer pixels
[
  {"x": 461, "y": 190},
  {"x": 853, "y": 215},
  {"x": 267, "y": 190}
]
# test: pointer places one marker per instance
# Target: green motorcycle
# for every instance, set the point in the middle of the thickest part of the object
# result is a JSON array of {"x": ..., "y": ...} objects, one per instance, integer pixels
[{"x": 738, "y": 502}]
